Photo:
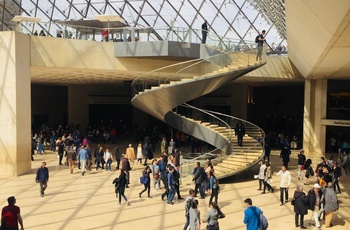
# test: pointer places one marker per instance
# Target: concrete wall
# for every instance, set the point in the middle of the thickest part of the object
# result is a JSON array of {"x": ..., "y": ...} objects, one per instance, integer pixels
[{"x": 15, "y": 108}]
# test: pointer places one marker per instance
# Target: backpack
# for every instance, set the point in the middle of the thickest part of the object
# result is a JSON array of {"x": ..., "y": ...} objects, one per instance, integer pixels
[
  {"x": 188, "y": 205},
  {"x": 216, "y": 184},
  {"x": 8, "y": 220},
  {"x": 263, "y": 223},
  {"x": 257, "y": 39}
]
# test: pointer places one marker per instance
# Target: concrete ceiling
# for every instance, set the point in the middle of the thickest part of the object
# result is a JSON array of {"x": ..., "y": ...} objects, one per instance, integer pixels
[{"x": 318, "y": 38}]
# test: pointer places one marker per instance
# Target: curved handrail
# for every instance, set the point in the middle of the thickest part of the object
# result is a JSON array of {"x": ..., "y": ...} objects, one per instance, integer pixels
[
  {"x": 200, "y": 66},
  {"x": 188, "y": 165}
]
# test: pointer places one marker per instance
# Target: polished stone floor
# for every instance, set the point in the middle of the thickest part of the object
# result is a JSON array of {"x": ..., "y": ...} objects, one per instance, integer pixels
[{"x": 73, "y": 201}]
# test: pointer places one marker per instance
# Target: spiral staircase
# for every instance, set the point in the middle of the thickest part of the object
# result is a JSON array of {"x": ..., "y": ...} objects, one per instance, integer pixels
[{"x": 163, "y": 93}]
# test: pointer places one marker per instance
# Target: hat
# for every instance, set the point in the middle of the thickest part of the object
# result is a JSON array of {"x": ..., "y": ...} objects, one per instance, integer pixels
[
  {"x": 301, "y": 151},
  {"x": 317, "y": 186}
]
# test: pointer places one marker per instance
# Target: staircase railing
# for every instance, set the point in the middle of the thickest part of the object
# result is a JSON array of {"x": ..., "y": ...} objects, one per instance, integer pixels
[
  {"x": 218, "y": 155},
  {"x": 201, "y": 67}
]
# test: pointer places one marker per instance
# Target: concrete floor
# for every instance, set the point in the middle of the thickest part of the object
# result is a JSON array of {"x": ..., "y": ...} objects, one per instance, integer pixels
[{"x": 73, "y": 201}]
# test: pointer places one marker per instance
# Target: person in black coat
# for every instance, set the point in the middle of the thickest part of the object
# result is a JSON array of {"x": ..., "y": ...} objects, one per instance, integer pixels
[
  {"x": 285, "y": 152},
  {"x": 147, "y": 186},
  {"x": 122, "y": 184},
  {"x": 199, "y": 177},
  {"x": 300, "y": 206},
  {"x": 240, "y": 132},
  {"x": 118, "y": 156}
]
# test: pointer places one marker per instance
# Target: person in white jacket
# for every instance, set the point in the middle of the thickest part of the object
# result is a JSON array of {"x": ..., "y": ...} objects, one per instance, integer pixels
[
  {"x": 261, "y": 174},
  {"x": 284, "y": 183}
]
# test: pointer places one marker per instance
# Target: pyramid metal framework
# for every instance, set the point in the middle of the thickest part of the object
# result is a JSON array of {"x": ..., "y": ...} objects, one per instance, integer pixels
[{"x": 234, "y": 19}]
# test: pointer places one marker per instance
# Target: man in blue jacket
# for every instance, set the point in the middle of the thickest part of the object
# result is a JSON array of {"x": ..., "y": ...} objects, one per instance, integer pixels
[
  {"x": 42, "y": 177},
  {"x": 251, "y": 215}
]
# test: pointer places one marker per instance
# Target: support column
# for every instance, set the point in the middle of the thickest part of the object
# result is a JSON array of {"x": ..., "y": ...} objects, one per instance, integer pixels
[
  {"x": 315, "y": 109},
  {"x": 15, "y": 104}
]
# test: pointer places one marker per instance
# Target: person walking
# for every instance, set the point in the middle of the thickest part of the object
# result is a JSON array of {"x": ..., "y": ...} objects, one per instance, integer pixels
[
  {"x": 122, "y": 184},
  {"x": 188, "y": 205},
  {"x": 156, "y": 174},
  {"x": 284, "y": 183},
  {"x": 300, "y": 202},
  {"x": 213, "y": 188},
  {"x": 171, "y": 185},
  {"x": 251, "y": 215},
  {"x": 315, "y": 197},
  {"x": 147, "y": 186},
  {"x": 16, "y": 213},
  {"x": 212, "y": 217},
  {"x": 204, "y": 31},
  {"x": 267, "y": 178},
  {"x": 83, "y": 157},
  {"x": 301, "y": 161},
  {"x": 42, "y": 177},
  {"x": 195, "y": 216},
  {"x": 71, "y": 158},
  {"x": 261, "y": 174},
  {"x": 330, "y": 204}
]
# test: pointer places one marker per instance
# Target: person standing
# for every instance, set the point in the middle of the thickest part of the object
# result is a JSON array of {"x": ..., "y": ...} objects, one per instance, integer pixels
[
  {"x": 147, "y": 187},
  {"x": 71, "y": 158},
  {"x": 42, "y": 177},
  {"x": 330, "y": 205},
  {"x": 126, "y": 168},
  {"x": 301, "y": 161},
  {"x": 163, "y": 146},
  {"x": 139, "y": 154},
  {"x": 83, "y": 157},
  {"x": 285, "y": 153},
  {"x": 251, "y": 215},
  {"x": 16, "y": 213},
  {"x": 117, "y": 157},
  {"x": 260, "y": 40},
  {"x": 199, "y": 177},
  {"x": 145, "y": 150},
  {"x": 284, "y": 183},
  {"x": 130, "y": 152},
  {"x": 267, "y": 152},
  {"x": 122, "y": 184},
  {"x": 204, "y": 31},
  {"x": 108, "y": 158},
  {"x": 336, "y": 172},
  {"x": 300, "y": 206},
  {"x": 240, "y": 132},
  {"x": 60, "y": 150}
]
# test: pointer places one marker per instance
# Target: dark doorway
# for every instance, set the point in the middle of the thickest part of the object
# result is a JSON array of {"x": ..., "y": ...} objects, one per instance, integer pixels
[{"x": 117, "y": 116}]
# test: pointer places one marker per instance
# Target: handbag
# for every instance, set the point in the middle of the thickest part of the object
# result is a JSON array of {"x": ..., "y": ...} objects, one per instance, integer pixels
[{"x": 144, "y": 180}]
